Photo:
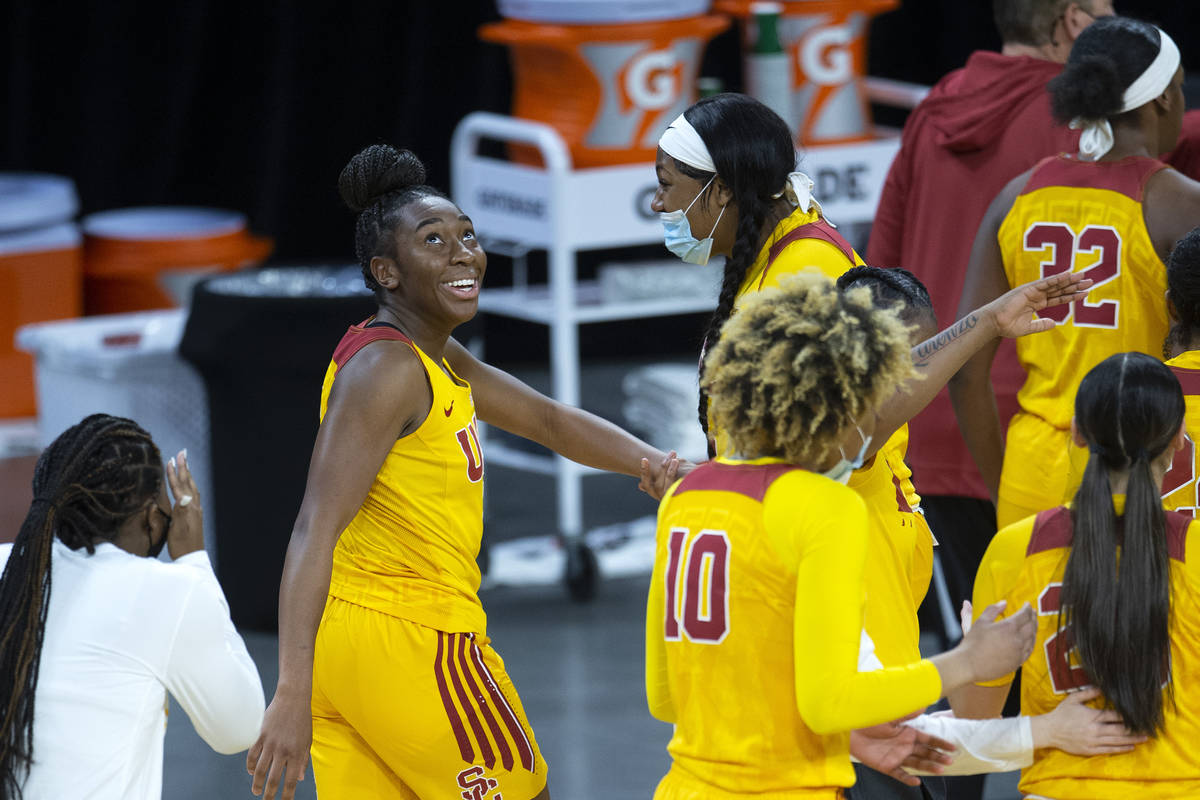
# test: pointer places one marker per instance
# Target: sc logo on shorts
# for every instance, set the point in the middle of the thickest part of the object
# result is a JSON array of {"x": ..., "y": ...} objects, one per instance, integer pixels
[{"x": 476, "y": 785}]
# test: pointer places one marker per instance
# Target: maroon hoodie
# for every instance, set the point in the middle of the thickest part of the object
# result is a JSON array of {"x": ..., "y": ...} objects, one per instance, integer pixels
[{"x": 980, "y": 127}]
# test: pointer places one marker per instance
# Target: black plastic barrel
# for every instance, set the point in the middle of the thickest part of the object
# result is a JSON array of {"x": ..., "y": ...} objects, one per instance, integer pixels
[{"x": 262, "y": 340}]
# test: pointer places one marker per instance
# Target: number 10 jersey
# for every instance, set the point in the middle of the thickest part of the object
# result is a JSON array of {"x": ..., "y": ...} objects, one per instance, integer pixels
[
  {"x": 753, "y": 623},
  {"x": 1084, "y": 216}
]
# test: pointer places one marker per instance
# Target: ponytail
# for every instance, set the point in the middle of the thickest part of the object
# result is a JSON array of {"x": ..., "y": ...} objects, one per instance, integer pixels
[{"x": 1116, "y": 592}]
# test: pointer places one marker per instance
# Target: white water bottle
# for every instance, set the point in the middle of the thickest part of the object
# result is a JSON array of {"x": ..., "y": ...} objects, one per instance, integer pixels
[{"x": 766, "y": 64}]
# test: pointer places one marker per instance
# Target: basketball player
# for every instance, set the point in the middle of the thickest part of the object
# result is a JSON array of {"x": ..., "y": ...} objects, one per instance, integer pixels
[
  {"x": 384, "y": 659},
  {"x": 1113, "y": 211},
  {"x": 1115, "y": 585}
]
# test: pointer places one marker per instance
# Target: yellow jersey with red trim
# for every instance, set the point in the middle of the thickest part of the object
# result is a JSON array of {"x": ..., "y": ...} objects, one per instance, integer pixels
[
  {"x": 753, "y": 622},
  {"x": 1084, "y": 216},
  {"x": 1025, "y": 563},
  {"x": 410, "y": 550},
  {"x": 900, "y": 561},
  {"x": 1181, "y": 490}
]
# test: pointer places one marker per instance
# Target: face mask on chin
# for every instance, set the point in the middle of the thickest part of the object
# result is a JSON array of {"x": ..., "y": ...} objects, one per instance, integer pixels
[
  {"x": 677, "y": 233},
  {"x": 842, "y": 470}
]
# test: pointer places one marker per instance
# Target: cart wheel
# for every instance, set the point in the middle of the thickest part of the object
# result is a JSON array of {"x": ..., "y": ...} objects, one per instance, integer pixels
[{"x": 583, "y": 573}]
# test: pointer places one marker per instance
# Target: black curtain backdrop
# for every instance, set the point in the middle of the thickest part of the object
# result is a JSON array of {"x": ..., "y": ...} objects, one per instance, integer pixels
[{"x": 257, "y": 105}]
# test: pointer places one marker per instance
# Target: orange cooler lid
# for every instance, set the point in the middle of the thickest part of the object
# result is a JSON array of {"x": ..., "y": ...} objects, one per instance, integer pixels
[{"x": 600, "y": 12}]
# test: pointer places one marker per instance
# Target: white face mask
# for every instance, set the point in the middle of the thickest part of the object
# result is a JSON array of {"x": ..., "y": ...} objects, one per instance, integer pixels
[
  {"x": 677, "y": 233},
  {"x": 842, "y": 470}
]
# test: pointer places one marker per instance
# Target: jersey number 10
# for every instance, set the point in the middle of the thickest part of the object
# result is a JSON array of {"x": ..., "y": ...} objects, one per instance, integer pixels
[
  {"x": 703, "y": 563},
  {"x": 1063, "y": 243}
]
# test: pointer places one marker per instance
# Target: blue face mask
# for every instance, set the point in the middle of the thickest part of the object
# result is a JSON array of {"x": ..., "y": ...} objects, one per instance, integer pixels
[
  {"x": 841, "y": 471},
  {"x": 677, "y": 233}
]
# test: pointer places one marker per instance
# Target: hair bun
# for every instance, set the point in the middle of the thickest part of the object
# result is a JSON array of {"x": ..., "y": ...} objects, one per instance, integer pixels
[
  {"x": 376, "y": 171},
  {"x": 1088, "y": 87}
]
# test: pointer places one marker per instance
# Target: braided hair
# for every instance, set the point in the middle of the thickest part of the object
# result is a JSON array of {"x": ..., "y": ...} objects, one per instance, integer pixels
[
  {"x": 87, "y": 483},
  {"x": 752, "y": 149},
  {"x": 1183, "y": 285},
  {"x": 377, "y": 184},
  {"x": 895, "y": 287}
]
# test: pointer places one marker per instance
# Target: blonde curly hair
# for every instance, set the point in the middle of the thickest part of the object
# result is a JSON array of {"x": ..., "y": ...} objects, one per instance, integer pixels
[{"x": 798, "y": 364}]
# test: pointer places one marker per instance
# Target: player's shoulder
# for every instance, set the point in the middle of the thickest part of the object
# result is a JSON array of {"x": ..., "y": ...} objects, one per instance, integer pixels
[{"x": 804, "y": 489}]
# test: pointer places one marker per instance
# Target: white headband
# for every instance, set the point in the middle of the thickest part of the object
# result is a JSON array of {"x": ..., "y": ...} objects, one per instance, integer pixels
[
  {"x": 1097, "y": 137},
  {"x": 681, "y": 142}
]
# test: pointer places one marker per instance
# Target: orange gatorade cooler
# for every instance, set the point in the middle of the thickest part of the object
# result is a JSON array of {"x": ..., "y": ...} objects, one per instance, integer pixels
[
  {"x": 608, "y": 76},
  {"x": 140, "y": 259},
  {"x": 826, "y": 44},
  {"x": 40, "y": 273}
]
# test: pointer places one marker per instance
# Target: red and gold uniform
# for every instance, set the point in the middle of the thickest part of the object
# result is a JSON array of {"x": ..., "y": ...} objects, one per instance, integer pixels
[
  {"x": 1085, "y": 216},
  {"x": 409, "y": 698},
  {"x": 753, "y": 624},
  {"x": 900, "y": 553},
  {"x": 1181, "y": 491},
  {"x": 1025, "y": 563},
  {"x": 901, "y": 562}
]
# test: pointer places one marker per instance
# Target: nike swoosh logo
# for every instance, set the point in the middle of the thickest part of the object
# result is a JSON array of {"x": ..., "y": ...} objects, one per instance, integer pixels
[{"x": 449, "y": 408}]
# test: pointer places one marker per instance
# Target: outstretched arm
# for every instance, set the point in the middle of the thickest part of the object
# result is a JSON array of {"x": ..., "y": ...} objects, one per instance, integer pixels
[
  {"x": 509, "y": 404},
  {"x": 976, "y": 334}
]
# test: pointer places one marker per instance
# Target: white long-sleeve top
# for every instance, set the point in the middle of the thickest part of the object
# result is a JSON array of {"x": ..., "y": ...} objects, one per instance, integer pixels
[
  {"x": 121, "y": 632},
  {"x": 984, "y": 745}
]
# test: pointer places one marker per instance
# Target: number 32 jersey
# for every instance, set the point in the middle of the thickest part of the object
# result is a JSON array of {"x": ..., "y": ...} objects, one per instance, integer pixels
[
  {"x": 1083, "y": 216},
  {"x": 753, "y": 622},
  {"x": 1025, "y": 563}
]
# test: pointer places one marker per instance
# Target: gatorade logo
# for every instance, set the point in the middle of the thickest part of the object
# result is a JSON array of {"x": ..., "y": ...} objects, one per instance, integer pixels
[
  {"x": 824, "y": 55},
  {"x": 642, "y": 90},
  {"x": 652, "y": 80}
]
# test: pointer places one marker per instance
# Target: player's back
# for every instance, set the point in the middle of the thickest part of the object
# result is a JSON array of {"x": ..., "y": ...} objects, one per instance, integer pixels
[
  {"x": 1167, "y": 766},
  {"x": 1077, "y": 215},
  {"x": 729, "y": 600},
  {"x": 1181, "y": 490}
]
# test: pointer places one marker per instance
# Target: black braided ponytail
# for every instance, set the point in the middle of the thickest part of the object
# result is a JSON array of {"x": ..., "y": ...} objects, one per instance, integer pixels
[
  {"x": 89, "y": 481},
  {"x": 752, "y": 149},
  {"x": 377, "y": 184}
]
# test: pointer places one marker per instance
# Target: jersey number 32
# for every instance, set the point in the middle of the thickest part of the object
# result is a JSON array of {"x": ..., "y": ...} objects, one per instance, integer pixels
[
  {"x": 1063, "y": 243},
  {"x": 698, "y": 606}
]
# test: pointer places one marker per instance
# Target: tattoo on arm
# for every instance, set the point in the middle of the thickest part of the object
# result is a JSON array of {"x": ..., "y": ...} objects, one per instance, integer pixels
[{"x": 926, "y": 349}]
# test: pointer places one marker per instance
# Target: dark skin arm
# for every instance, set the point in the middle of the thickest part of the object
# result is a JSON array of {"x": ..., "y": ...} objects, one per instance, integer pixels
[
  {"x": 971, "y": 389},
  {"x": 1171, "y": 209},
  {"x": 507, "y": 403},
  {"x": 381, "y": 395}
]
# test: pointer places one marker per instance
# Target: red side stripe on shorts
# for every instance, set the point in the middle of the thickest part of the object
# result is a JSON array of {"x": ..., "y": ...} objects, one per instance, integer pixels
[
  {"x": 506, "y": 756},
  {"x": 505, "y": 710},
  {"x": 485, "y": 747},
  {"x": 460, "y": 733}
]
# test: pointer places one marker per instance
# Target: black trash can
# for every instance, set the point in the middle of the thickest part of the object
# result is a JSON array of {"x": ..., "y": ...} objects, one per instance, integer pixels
[{"x": 262, "y": 340}]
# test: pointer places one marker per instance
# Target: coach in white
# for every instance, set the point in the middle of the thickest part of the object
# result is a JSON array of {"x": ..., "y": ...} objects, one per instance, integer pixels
[{"x": 94, "y": 630}]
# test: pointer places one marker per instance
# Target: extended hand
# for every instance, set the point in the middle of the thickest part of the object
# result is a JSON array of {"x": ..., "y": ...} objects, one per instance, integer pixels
[
  {"x": 1013, "y": 312},
  {"x": 998, "y": 648},
  {"x": 281, "y": 752},
  {"x": 656, "y": 479},
  {"x": 891, "y": 746},
  {"x": 1076, "y": 728}
]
